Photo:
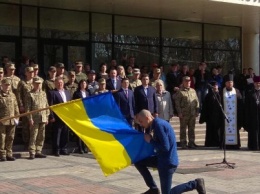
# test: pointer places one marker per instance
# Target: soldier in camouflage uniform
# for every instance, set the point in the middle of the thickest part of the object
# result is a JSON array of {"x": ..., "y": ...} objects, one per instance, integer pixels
[
  {"x": 156, "y": 77},
  {"x": 71, "y": 86},
  {"x": 135, "y": 81},
  {"x": 78, "y": 70},
  {"x": 37, "y": 99},
  {"x": 36, "y": 71},
  {"x": 187, "y": 106},
  {"x": 60, "y": 72},
  {"x": 1, "y": 75},
  {"x": 9, "y": 108},
  {"x": 24, "y": 87},
  {"x": 101, "y": 87},
  {"x": 10, "y": 69},
  {"x": 49, "y": 84}
]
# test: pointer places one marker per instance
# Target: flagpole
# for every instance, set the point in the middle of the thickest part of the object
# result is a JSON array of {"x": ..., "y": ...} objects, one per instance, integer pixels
[{"x": 24, "y": 114}]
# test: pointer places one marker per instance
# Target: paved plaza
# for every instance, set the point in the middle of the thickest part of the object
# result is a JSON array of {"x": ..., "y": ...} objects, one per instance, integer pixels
[{"x": 81, "y": 174}]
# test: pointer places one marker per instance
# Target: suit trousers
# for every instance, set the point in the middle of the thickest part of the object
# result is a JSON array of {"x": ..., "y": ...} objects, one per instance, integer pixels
[{"x": 60, "y": 137}]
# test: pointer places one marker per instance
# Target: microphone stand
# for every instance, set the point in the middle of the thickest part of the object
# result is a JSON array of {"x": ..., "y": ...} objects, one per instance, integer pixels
[{"x": 229, "y": 165}]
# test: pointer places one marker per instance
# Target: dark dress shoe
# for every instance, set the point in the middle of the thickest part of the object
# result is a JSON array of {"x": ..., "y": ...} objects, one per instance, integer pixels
[
  {"x": 10, "y": 158},
  {"x": 57, "y": 154},
  {"x": 200, "y": 186},
  {"x": 40, "y": 155},
  {"x": 3, "y": 159},
  {"x": 31, "y": 157},
  {"x": 152, "y": 191},
  {"x": 81, "y": 152},
  {"x": 64, "y": 153}
]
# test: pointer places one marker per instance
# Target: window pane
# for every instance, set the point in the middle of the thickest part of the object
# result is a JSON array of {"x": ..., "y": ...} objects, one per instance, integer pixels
[
  {"x": 136, "y": 30},
  {"x": 61, "y": 24},
  {"x": 29, "y": 21},
  {"x": 75, "y": 53},
  {"x": 8, "y": 49},
  {"x": 29, "y": 47},
  {"x": 182, "y": 34},
  {"x": 52, "y": 54},
  {"x": 102, "y": 27},
  {"x": 9, "y": 20},
  {"x": 101, "y": 53},
  {"x": 144, "y": 55},
  {"x": 227, "y": 59},
  {"x": 222, "y": 37},
  {"x": 190, "y": 57}
]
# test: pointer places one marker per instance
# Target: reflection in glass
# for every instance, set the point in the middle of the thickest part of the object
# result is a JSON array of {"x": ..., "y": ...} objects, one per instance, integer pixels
[
  {"x": 29, "y": 48},
  {"x": 9, "y": 20},
  {"x": 144, "y": 55},
  {"x": 222, "y": 37},
  {"x": 182, "y": 34},
  {"x": 75, "y": 53},
  {"x": 8, "y": 49},
  {"x": 227, "y": 59},
  {"x": 102, "y": 27},
  {"x": 62, "y": 24},
  {"x": 101, "y": 53},
  {"x": 29, "y": 18},
  {"x": 136, "y": 30},
  {"x": 52, "y": 54},
  {"x": 187, "y": 56}
]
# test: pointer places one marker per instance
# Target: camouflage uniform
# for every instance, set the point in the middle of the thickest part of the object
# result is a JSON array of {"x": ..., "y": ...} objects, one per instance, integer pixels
[
  {"x": 187, "y": 104},
  {"x": 48, "y": 85},
  {"x": 9, "y": 108},
  {"x": 24, "y": 87},
  {"x": 37, "y": 100},
  {"x": 71, "y": 87},
  {"x": 14, "y": 84},
  {"x": 80, "y": 76},
  {"x": 135, "y": 83}
]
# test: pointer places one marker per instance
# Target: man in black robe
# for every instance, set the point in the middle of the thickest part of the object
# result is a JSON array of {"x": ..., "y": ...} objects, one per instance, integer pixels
[
  {"x": 232, "y": 103},
  {"x": 211, "y": 113},
  {"x": 252, "y": 115}
]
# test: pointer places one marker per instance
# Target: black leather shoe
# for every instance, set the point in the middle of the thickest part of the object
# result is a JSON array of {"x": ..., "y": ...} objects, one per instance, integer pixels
[
  {"x": 64, "y": 153},
  {"x": 40, "y": 155},
  {"x": 81, "y": 152},
  {"x": 3, "y": 159},
  {"x": 200, "y": 186},
  {"x": 57, "y": 154},
  {"x": 10, "y": 158},
  {"x": 31, "y": 157},
  {"x": 152, "y": 191}
]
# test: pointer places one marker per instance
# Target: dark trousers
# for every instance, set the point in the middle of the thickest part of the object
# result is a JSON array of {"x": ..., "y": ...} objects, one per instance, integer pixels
[
  {"x": 165, "y": 174},
  {"x": 60, "y": 137}
]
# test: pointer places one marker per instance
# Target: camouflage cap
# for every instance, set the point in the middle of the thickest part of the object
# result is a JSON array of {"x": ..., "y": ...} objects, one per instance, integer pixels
[
  {"x": 52, "y": 68},
  {"x": 59, "y": 65},
  {"x": 102, "y": 81},
  {"x": 37, "y": 80},
  {"x": 136, "y": 71},
  {"x": 186, "y": 78},
  {"x": 6, "y": 81},
  {"x": 10, "y": 66},
  {"x": 29, "y": 69},
  {"x": 35, "y": 66},
  {"x": 1, "y": 69}
]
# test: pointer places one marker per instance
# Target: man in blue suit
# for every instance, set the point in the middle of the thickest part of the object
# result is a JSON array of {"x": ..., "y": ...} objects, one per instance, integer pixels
[
  {"x": 59, "y": 128},
  {"x": 125, "y": 100},
  {"x": 145, "y": 97},
  {"x": 113, "y": 82}
]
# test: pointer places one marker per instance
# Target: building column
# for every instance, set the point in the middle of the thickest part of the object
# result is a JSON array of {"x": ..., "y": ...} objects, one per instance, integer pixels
[{"x": 250, "y": 51}]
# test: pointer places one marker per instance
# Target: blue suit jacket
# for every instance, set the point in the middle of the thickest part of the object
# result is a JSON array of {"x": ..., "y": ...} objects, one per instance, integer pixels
[
  {"x": 148, "y": 102},
  {"x": 55, "y": 98},
  {"x": 126, "y": 105},
  {"x": 110, "y": 86}
]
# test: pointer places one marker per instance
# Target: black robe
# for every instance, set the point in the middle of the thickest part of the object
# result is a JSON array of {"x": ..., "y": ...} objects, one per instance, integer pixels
[
  {"x": 252, "y": 119},
  {"x": 211, "y": 114},
  {"x": 240, "y": 114}
]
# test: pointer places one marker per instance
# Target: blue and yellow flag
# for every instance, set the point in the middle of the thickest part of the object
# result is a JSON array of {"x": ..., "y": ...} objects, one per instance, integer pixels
[{"x": 98, "y": 121}]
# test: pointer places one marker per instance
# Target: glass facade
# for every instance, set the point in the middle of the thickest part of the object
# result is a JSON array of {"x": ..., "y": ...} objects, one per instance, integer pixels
[{"x": 49, "y": 35}]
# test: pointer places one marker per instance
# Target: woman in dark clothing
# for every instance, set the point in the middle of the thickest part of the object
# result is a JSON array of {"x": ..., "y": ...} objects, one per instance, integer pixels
[
  {"x": 81, "y": 92},
  {"x": 211, "y": 114}
]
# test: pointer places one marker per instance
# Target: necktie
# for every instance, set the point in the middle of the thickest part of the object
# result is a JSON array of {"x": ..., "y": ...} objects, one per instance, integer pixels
[
  {"x": 145, "y": 91},
  {"x": 114, "y": 83},
  {"x": 126, "y": 93}
]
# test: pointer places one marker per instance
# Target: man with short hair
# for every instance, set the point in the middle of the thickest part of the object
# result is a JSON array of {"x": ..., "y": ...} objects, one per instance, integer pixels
[
  {"x": 48, "y": 84},
  {"x": 162, "y": 137},
  {"x": 71, "y": 86},
  {"x": 135, "y": 81},
  {"x": 187, "y": 107},
  {"x": 113, "y": 82},
  {"x": 60, "y": 72},
  {"x": 36, "y": 71},
  {"x": 10, "y": 70},
  {"x": 37, "y": 99},
  {"x": 156, "y": 76},
  {"x": 79, "y": 71}
]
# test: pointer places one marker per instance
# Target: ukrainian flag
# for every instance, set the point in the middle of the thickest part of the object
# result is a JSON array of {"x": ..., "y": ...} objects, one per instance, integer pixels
[{"x": 98, "y": 121}]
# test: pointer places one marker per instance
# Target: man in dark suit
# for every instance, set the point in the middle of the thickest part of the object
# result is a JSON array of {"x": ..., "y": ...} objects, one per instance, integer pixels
[
  {"x": 59, "y": 128},
  {"x": 113, "y": 83},
  {"x": 125, "y": 100},
  {"x": 145, "y": 97}
]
